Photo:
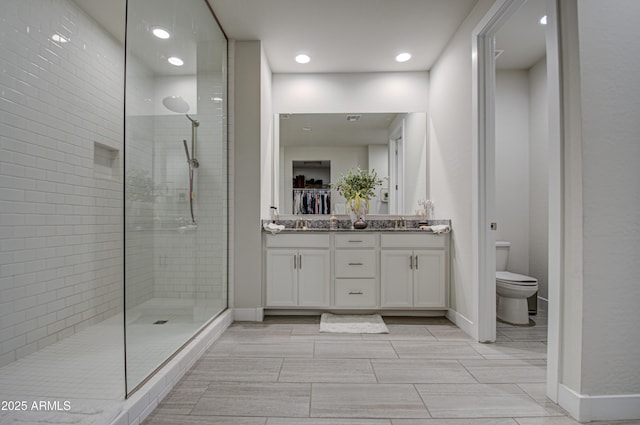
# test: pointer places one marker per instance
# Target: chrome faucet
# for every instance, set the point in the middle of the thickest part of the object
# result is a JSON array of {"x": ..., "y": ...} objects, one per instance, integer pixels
[
  {"x": 401, "y": 223},
  {"x": 302, "y": 223}
]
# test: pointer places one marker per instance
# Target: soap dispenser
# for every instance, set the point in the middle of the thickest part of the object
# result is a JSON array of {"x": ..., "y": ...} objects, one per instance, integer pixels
[
  {"x": 274, "y": 214},
  {"x": 333, "y": 222}
]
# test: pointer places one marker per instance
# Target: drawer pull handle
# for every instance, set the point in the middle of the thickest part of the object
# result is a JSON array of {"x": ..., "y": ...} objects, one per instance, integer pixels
[
  {"x": 411, "y": 262},
  {"x": 416, "y": 262},
  {"x": 355, "y": 264},
  {"x": 295, "y": 261},
  {"x": 355, "y": 293},
  {"x": 354, "y": 241}
]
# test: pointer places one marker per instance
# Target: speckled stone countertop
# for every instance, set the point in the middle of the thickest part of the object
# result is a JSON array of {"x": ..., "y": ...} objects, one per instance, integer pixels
[{"x": 344, "y": 225}]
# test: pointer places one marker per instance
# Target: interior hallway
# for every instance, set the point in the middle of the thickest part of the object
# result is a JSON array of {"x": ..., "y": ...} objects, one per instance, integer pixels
[{"x": 426, "y": 371}]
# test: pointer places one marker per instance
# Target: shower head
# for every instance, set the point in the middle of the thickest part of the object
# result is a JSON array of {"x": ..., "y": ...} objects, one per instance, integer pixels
[{"x": 176, "y": 104}]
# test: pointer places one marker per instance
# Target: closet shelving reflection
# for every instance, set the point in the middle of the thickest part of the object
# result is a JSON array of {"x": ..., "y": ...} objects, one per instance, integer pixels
[{"x": 312, "y": 201}]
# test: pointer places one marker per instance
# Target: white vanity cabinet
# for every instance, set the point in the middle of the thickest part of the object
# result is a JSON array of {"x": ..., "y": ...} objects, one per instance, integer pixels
[
  {"x": 297, "y": 270},
  {"x": 413, "y": 271},
  {"x": 350, "y": 270},
  {"x": 355, "y": 269}
]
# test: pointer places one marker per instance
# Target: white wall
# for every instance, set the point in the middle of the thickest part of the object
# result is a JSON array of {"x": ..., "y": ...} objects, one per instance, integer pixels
[
  {"x": 350, "y": 93},
  {"x": 379, "y": 161},
  {"x": 248, "y": 130},
  {"x": 450, "y": 161},
  {"x": 60, "y": 225},
  {"x": 512, "y": 165},
  {"x": 268, "y": 149},
  {"x": 415, "y": 161},
  {"x": 539, "y": 176},
  {"x": 611, "y": 177}
]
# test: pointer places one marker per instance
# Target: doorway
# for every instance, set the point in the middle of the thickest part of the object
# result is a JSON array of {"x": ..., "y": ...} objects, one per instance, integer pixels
[{"x": 484, "y": 53}]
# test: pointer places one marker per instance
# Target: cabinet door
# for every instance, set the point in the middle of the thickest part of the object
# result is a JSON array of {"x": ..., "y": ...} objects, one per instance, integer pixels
[
  {"x": 396, "y": 280},
  {"x": 313, "y": 277},
  {"x": 429, "y": 279},
  {"x": 282, "y": 282}
]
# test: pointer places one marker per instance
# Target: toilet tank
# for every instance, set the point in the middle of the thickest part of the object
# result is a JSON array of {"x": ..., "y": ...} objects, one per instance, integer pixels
[{"x": 502, "y": 255}]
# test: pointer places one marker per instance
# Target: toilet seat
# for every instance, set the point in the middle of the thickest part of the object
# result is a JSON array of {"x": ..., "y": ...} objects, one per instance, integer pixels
[{"x": 515, "y": 279}]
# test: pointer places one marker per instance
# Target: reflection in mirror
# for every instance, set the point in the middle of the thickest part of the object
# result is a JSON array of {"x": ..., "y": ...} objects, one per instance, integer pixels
[{"x": 392, "y": 144}]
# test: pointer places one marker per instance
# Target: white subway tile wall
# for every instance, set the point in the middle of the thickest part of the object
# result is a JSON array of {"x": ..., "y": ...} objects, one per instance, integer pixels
[{"x": 60, "y": 224}]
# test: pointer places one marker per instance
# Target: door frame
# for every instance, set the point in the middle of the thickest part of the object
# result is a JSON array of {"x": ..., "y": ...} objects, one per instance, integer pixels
[{"x": 483, "y": 250}]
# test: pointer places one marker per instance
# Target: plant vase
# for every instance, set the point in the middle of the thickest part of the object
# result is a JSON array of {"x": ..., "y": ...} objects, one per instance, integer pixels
[{"x": 358, "y": 209}]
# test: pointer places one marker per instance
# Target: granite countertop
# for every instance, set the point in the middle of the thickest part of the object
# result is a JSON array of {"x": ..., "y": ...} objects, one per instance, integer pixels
[{"x": 315, "y": 225}]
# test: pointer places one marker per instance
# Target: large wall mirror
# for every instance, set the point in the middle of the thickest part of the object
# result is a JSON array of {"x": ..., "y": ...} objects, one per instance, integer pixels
[{"x": 312, "y": 151}]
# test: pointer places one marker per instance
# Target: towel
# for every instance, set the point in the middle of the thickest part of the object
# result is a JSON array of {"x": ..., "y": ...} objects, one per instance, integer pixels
[
  {"x": 274, "y": 228},
  {"x": 439, "y": 228}
]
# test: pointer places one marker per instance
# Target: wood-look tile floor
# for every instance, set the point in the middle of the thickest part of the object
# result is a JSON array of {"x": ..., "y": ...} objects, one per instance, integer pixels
[{"x": 426, "y": 371}]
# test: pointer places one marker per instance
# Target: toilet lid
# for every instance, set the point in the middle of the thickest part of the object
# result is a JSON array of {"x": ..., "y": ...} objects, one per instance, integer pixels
[{"x": 516, "y": 279}]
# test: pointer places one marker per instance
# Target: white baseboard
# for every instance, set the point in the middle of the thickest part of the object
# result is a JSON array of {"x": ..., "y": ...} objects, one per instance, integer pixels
[
  {"x": 460, "y": 321},
  {"x": 543, "y": 304},
  {"x": 248, "y": 314},
  {"x": 586, "y": 408}
]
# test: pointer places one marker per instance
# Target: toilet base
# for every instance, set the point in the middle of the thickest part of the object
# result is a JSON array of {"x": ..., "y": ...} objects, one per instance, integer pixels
[{"x": 513, "y": 310}]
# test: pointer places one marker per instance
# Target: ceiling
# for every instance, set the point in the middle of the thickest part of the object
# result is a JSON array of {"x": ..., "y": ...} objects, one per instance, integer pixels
[
  {"x": 366, "y": 35},
  {"x": 353, "y": 35}
]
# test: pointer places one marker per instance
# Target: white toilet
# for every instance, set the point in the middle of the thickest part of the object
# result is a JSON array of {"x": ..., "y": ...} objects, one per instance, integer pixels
[{"x": 512, "y": 289}]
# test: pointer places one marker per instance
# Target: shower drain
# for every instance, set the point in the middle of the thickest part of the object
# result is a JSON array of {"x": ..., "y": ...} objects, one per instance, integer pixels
[{"x": 160, "y": 322}]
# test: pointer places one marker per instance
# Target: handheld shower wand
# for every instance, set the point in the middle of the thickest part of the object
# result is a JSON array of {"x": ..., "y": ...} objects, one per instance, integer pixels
[{"x": 194, "y": 141}]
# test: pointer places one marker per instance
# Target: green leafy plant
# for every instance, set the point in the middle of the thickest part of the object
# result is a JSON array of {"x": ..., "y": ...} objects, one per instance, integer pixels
[{"x": 358, "y": 186}]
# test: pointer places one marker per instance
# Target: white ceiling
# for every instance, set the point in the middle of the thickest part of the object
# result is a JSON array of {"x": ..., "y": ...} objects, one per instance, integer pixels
[
  {"x": 366, "y": 35},
  {"x": 344, "y": 35},
  {"x": 353, "y": 35}
]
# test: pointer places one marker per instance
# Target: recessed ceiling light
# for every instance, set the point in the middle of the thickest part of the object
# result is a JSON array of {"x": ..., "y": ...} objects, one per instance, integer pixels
[
  {"x": 176, "y": 61},
  {"x": 306, "y": 128},
  {"x": 161, "y": 32},
  {"x": 303, "y": 58},
  {"x": 543, "y": 20},
  {"x": 403, "y": 57},
  {"x": 59, "y": 38}
]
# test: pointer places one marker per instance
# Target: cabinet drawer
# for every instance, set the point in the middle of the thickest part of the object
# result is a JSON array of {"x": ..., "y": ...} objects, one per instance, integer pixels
[
  {"x": 415, "y": 240},
  {"x": 355, "y": 240},
  {"x": 355, "y": 263},
  {"x": 297, "y": 241},
  {"x": 356, "y": 293}
]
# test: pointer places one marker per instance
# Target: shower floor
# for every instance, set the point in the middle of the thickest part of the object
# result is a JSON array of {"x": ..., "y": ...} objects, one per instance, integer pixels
[{"x": 89, "y": 364}]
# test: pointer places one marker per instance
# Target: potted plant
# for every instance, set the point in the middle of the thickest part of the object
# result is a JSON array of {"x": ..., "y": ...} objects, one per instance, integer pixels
[{"x": 358, "y": 187}]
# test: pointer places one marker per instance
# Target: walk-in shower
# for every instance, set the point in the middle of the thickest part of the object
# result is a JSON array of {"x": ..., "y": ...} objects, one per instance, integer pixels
[{"x": 104, "y": 275}]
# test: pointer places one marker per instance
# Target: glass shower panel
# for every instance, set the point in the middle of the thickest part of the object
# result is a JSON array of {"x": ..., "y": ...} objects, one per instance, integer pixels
[{"x": 176, "y": 179}]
